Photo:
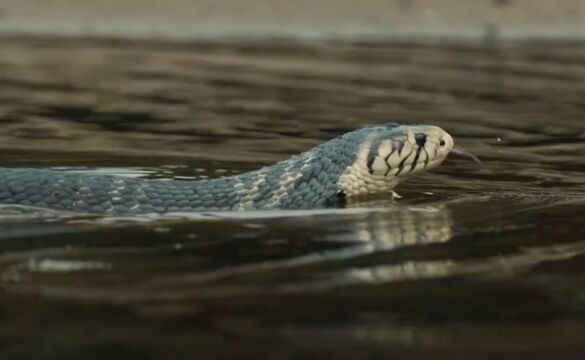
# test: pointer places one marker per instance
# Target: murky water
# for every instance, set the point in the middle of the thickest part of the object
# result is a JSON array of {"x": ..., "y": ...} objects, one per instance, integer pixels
[{"x": 471, "y": 263}]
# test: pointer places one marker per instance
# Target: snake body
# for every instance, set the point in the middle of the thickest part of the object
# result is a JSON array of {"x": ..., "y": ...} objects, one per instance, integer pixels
[{"x": 365, "y": 161}]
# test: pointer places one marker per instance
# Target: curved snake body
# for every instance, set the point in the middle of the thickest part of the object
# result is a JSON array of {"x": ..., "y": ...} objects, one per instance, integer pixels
[{"x": 365, "y": 161}]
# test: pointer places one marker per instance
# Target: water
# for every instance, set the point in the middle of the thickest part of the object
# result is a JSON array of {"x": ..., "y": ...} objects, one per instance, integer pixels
[{"x": 473, "y": 262}]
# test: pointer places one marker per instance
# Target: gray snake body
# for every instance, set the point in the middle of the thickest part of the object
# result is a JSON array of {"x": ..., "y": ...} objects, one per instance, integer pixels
[{"x": 349, "y": 165}]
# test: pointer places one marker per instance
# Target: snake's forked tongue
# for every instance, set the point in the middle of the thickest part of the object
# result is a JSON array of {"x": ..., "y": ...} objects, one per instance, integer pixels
[{"x": 459, "y": 151}]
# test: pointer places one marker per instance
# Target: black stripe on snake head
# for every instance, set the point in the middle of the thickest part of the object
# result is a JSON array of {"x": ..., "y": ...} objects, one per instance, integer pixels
[
  {"x": 373, "y": 152},
  {"x": 402, "y": 163},
  {"x": 418, "y": 151}
]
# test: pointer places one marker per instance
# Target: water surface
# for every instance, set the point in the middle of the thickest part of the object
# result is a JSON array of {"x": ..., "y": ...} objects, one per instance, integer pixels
[{"x": 471, "y": 263}]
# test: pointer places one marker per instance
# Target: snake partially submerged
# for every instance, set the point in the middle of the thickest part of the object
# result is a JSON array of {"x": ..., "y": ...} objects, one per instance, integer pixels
[{"x": 367, "y": 161}]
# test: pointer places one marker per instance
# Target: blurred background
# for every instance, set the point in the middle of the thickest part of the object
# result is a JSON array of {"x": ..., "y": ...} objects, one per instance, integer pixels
[
  {"x": 472, "y": 263},
  {"x": 477, "y": 20}
]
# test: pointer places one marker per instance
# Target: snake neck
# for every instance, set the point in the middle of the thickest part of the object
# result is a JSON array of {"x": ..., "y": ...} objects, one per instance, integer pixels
[
  {"x": 358, "y": 179},
  {"x": 307, "y": 180}
]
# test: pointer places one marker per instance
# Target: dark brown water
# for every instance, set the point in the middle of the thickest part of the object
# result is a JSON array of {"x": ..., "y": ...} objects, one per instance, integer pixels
[{"x": 485, "y": 263}]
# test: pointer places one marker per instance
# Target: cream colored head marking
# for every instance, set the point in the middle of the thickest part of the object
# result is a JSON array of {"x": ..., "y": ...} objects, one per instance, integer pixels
[{"x": 387, "y": 157}]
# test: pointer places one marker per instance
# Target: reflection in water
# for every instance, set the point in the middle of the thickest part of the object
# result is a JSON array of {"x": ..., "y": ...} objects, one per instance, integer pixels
[
  {"x": 402, "y": 226},
  {"x": 396, "y": 244},
  {"x": 406, "y": 271},
  {"x": 376, "y": 232},
  {"x": 365, "y": 233}
]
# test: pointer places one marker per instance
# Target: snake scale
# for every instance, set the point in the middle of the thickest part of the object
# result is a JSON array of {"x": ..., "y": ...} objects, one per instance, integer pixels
[{"x": 370, "y": 160}]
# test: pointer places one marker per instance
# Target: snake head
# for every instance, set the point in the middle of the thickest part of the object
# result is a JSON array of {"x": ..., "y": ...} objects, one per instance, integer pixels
[
  {"x": 407, "y": 150},
  {"x": 390, "y": 153}
]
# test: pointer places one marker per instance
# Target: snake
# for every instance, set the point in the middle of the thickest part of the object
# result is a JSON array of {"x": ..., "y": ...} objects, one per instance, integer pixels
[{"x": 364, "y": 162}]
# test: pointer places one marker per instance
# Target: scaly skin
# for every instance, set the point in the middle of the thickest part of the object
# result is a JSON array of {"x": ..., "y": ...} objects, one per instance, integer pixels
[{"x": 366, "y": 161}]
